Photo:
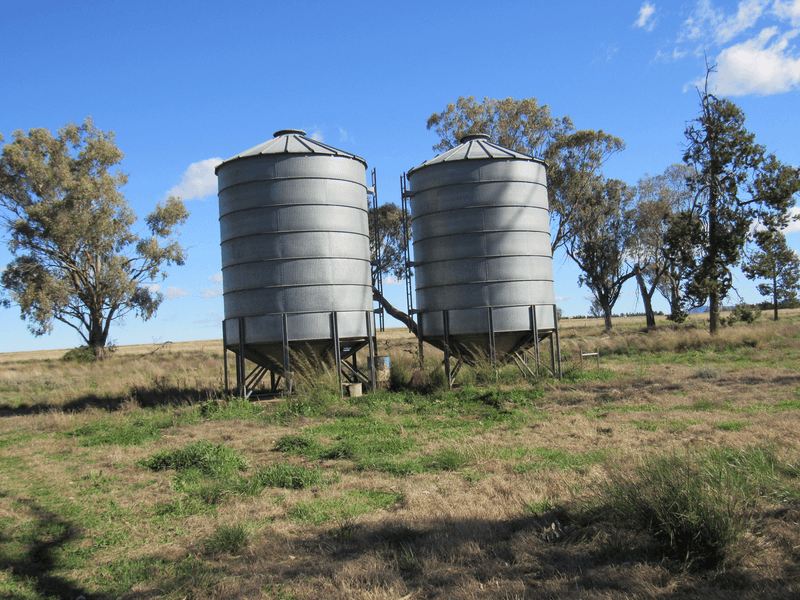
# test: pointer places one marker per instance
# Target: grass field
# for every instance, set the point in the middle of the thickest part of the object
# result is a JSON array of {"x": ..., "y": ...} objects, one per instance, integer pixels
[{"x": 672, "y": 471}]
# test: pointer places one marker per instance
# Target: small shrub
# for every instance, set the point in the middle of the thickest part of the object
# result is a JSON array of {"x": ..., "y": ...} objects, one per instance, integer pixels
[
  {"x": 448, "y": 459},
  {"x": 80, "y": 355},
  {"x": 707, "y": 372},
  {"x": 227, "y": 539},
  {"x": 298, "y": 444},
  {"x": 213, "y": 460}
]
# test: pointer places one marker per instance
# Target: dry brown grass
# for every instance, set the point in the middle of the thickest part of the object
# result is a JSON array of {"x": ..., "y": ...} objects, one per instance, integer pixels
[{"x": 478, "y": 531}]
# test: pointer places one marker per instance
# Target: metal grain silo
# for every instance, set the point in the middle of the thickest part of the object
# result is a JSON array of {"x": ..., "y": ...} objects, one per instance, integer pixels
[
  {"x": 295, "y": 256},
  {"x": 481, "y": 239}
]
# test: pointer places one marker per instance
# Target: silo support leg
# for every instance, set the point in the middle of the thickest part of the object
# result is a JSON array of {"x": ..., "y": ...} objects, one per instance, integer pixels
[
  {"x": 535, "y": 329},
  {"x": 558, "y": 341},
  {"x": 446, "y": 329},
  {"x": 372, "y": 343},
  {"x": 287, "y": 371},
  {"x": 241, "y": 379},
  {"x": 225, "y": 357},
  {"x": 337, "y": 350}
]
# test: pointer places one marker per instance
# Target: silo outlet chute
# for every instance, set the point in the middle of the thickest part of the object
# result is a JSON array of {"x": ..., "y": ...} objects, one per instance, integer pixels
[
  {"x": 483, "y": 265},
  {"x": 295, "y": 260}
]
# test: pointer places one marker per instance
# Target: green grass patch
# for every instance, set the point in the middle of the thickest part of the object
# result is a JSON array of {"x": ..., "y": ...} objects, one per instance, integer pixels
[
  {"x": 212, "y": 460},
  {"x": 281, "y": 475},
  {"x": 349, "y": 506},
  {"x": 731, "y": 425},
  {"x": 695, "y": 506},
  {"x": 227, "y": 539}
]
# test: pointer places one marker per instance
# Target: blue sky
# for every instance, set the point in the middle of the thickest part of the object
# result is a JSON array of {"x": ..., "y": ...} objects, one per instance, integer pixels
[{"x": 185, "y": 84}]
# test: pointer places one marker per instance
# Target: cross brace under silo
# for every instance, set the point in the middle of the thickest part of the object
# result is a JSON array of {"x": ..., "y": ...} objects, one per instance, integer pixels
[{"x": 339, "y": 350}]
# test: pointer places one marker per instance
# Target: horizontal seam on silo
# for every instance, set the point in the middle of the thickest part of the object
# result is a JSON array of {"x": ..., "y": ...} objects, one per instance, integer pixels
[
  {"x": 267, "y": 206},
  {"x": 418, "y": 264},
  {"x": 479, "y": 206},
  {"x": 268, "y": 179},
  {"x": 299, "y": 312},
  {"x": 295, "y": 286},
  {"x": 293, "y": 231},
  {"x": 446, "y": 235},
  {"x": 481, "y": 282},
  {"x": 293, "y": 258},
  {"x": 483, "y": 306},
  {"x": 472, "y": 184}
]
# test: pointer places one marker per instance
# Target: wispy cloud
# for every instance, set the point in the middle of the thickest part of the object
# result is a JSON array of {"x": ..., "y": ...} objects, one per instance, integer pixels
[
  {"x": 212, "y": 292},
  {"x": 174, "y": 293},
  {"x": 317, "y": 135},
  {"x": 647, "y": 19},
  {"x": 764, "y": 65},
  {"x": 215, "y": 278},
  {"x": 154, "y": 288},
  {"x": 198, "y": 181},
  {"x": 212, "y": 319}
]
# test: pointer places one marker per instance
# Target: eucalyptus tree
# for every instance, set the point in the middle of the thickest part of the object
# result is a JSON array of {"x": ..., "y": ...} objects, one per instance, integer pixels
[
  {"x": 574, "y": 157},
  {"x": 735, "y": 183},
  {"x": 776, "y": 262},
  {"x": 601, "y": 242},
  {"x": 76, "y": 259},
  {"x": 658, "y": 198}
]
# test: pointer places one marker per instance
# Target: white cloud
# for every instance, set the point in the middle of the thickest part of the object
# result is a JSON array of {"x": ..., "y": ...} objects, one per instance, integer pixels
[
  {"x": 710, "y": 24},
  {"x": 562, "y": 298},
  {"x": 174, "y": 293},
  {"x": 391, "y": 280},
  {"x": 763, "y": 65},
  {"x": 787, "y": 10},
  {"x": 212, "y": 292},
  {"x": 675, "y": 55},
  {"x": 215, "y": 278},
  {"x": 198, "y": 181},
  {"x": 342, "y": 135},
  {"x": 317, "y": 136},
  {"x": 646, "y": 20},
  {"x": 154, "y": 288}
]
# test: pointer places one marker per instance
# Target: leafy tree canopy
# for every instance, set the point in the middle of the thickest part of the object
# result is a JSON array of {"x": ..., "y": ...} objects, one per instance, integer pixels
[
  {"x": 574, "y": 157},
  {"x": 778, "y": 264},
  {"x": 735, "y": 183},
  {"x": 69, "y": 228}
]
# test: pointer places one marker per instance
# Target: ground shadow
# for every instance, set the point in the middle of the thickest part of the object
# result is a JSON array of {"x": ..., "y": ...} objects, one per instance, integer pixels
[{"x": 34, "y": 570}]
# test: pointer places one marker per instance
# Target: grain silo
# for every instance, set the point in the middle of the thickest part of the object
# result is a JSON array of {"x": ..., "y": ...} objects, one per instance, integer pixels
[
  {"x": 295, "y": 259},
  {"x": 483, "y": 265}
]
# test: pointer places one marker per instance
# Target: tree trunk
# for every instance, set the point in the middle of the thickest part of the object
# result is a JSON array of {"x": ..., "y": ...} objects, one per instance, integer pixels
[
  {"x": 775, "y": 297},
  {"x": 713, "y": 311},
  {"x": 647, "y": 299},
  {"x": 606, "y": 315},
  {"x": 397, "y": 314}
]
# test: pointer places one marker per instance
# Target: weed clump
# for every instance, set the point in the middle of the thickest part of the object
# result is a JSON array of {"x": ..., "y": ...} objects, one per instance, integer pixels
[
  {"x": 213, "y": 460},
  {"x": 694, "y": 506},
  {"x": 227, "y": 539}
]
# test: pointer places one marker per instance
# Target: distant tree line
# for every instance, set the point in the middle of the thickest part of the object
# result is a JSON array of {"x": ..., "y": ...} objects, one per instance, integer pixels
[{"x": 679, "y": 233}]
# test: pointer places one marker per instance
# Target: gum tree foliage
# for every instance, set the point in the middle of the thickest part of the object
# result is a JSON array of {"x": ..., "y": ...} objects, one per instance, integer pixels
[
  {"x": 778, "y": 264},
  {"x": 388, "y": 237},
  {"x": 574, "y": 157},
  {"x": 658, "y": 198},
  {"x": 68, "y": 227},
  {"x": 600, "y": 245},
  {"x": 735, "y": 183}
]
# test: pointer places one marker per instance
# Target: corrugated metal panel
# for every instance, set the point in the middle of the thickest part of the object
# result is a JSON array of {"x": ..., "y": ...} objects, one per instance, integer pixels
[
  {"x": 481, "y": 238},
  {"x": 295, "y": 242}
]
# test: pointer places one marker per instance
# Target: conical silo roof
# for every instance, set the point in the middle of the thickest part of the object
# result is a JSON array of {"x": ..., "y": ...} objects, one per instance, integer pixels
[
  {"x": 293, "y": 141},
  {"x": 476, "y": 146}
]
